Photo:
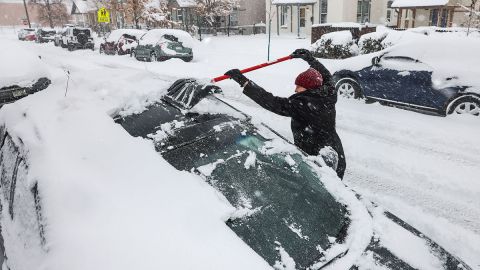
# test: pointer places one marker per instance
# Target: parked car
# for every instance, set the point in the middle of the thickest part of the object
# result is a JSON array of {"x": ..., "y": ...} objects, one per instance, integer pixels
[
  {"x": 45, "y": 35},
  {"x": 418, "y": 76},
  {"x": 26, "y": 34},
  {"x": 290, "y": 211},
  {"x": 74, "y": 38},
  {"x": 164, "y": 44},
  {"x": 59, "y": 37},
  {"x": 121, "y": 41},
  {"x": 26, "y": 74}
]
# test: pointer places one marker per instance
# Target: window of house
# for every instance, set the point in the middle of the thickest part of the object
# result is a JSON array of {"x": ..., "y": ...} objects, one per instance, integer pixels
[
  {"x": 283, "y": 15},
  {"x": 323, "y": 11},
  {"x": 179, "y": 15},
  {"x": 389, "y": 11},
  {"x": 302, "y": 17},
  {"x": 363, "y": 11}
]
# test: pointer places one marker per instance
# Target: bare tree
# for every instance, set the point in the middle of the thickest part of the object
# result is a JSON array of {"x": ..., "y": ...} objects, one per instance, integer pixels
[
  {"x": 156, "y": 14},
  {"x": 211, "y": 10},
  {"x": 135, "y": 10},
  {"x": 473, "y": 15},
  {"x": 53, "y": 12}
]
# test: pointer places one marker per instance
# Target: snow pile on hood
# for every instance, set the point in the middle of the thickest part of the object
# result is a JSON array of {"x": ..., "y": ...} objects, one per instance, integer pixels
[
  {"x": 154, "y": 36},
  {"x": 21, "y": 68},
  {"x": 109, "y": 200},
  {"x": 116, "y": 34}
]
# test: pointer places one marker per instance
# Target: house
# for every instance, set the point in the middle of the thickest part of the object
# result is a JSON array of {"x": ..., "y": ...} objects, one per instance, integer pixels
[
  {"x": 298, "y": 16},
  {"x": 83, "y": 12},
  {"x": 441, "y": 13},
  {"x": 182, "y": 13}
]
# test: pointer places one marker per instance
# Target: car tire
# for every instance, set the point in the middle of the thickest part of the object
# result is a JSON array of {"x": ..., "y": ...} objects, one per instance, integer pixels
[
  {"x": 465, "y": 105},
  {"x": 70, "y": 47},
  {"x": 188, "y": 59},
  {"x": 349, "y": 88},
  {"x": 153, "y": 57}
]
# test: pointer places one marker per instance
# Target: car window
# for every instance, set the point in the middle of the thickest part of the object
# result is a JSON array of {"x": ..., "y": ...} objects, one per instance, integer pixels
[
  {"x": 403, "y": 63},
  {"x": 77, "y": 31},
  {"x": 285, "y": 203}
]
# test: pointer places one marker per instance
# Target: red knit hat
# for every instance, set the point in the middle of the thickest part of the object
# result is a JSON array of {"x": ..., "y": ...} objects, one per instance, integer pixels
[{"x": 310, "y": 79}]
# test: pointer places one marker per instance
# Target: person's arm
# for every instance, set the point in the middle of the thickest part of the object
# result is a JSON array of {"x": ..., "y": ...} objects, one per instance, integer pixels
[{"x": 278, "y": 105}]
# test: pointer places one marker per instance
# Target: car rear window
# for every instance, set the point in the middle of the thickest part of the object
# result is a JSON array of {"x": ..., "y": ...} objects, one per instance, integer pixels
[{"x": 76, "y": 31}]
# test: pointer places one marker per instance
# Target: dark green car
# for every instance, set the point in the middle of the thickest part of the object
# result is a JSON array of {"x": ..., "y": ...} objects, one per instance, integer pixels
[{"x": 164, "y": 44}]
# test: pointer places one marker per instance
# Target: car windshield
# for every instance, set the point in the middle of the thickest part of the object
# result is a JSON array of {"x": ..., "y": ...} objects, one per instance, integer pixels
[{"x": 281, "y": 201}]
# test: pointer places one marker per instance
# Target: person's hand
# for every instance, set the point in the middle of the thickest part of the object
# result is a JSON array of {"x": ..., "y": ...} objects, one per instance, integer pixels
[
  {"x": 237, "y": 76},
  {"x": 302, "y": 54}
]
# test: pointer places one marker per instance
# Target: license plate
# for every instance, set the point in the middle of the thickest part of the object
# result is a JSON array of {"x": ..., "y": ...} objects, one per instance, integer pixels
[{"x": 19, "y": 93}]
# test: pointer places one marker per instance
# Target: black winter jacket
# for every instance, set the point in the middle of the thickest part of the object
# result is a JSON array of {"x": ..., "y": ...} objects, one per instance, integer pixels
[{"x": 312, "y": 112}]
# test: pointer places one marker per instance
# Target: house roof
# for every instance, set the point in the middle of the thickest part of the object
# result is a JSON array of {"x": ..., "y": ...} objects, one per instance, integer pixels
[
  {"x": 293, "y": 2},
  {"x": 84, "y": 6},
  {"x": 418, "y": 3}
]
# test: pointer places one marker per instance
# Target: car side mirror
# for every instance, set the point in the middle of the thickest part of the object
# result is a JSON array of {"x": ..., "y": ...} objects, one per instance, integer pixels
[{"x": 376, "y": 61}]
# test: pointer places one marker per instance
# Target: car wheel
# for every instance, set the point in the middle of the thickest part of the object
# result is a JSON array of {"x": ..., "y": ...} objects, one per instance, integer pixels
[
  {"x": 188, "y": 59},
  {"x": 348, "y": 88},
  {"x": 465, "y": 105},
  {"x": 153, "y": 58},
  {"x": 70, "y": 47}
]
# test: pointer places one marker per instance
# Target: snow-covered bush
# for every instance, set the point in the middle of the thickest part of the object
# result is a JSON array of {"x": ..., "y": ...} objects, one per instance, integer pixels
[
  {"x": 336, "y": 45},
  {"x": 372, "y": 42}
]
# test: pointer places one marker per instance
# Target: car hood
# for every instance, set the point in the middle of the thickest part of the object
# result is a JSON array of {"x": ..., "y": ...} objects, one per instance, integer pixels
[{"x": 22, "y": 69}]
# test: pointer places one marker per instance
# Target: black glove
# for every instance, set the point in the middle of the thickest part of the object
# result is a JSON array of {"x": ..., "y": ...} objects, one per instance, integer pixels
[
  {"x": 303, "y": 54},
  {"x": 237, "y": 76}
]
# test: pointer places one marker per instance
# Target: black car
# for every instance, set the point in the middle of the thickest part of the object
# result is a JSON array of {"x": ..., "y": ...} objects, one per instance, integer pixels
[
  {"x": 290, "y": 209},
  {"x": 407, "y": 78},
  {"x": 45, "y": 35},
  {"x": 13, "y": 93}
]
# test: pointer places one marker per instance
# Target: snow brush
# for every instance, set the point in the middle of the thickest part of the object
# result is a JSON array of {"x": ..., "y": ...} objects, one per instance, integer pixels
[{"x": 186, "y": 93}]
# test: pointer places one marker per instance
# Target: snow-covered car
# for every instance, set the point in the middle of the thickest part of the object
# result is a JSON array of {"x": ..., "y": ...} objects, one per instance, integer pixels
[
  {"x": 26, "y": 34},
  {"x": 58, "y": 38},
  {"x": 433, "y": 75},
  {"x": 288, "y": 211},
  {"x": 291, "y": 211},
  {"x": 121, "y": 41},
  {"x": 45, "y": 35},
  {"x": 26, "y": 75},
  {"x": 164, "y": 44}
]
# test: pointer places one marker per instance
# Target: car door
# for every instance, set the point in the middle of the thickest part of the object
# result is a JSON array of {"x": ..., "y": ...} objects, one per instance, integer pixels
[
  {"x": 397, "y": 79},
  {"x": 379, "y": 82}
]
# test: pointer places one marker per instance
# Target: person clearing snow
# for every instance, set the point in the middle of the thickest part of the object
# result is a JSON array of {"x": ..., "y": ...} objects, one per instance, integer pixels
[{"x": 312, "y": 109}]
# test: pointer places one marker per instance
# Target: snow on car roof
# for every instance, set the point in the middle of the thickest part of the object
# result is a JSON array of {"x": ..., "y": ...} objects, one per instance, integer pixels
[
  {"x": 418, "y": 3},
  {"x": 448, "y": 57},
  {"x": 22, "y": 68},
  {"x": 154, "y": 35},
  {"x": 116, "y": 34}
]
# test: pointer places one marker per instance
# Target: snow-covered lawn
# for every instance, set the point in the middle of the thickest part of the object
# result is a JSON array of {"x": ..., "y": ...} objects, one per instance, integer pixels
[{"x": 425, "y": 169}]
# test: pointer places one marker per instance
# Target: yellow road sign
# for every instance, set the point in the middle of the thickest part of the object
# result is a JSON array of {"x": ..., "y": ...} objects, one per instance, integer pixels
[{"x": 103, "y": 15}]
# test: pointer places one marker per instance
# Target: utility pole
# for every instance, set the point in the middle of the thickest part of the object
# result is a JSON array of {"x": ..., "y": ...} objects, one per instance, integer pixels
[{"x": 26, "y": 12}]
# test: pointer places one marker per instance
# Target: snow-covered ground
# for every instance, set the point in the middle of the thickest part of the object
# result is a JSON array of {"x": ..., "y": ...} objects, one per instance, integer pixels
[{"x": 425, "y": 169}]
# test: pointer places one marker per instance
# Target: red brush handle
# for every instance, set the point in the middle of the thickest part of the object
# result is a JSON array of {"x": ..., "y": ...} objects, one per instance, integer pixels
[{"x": 224, "y": 77}]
